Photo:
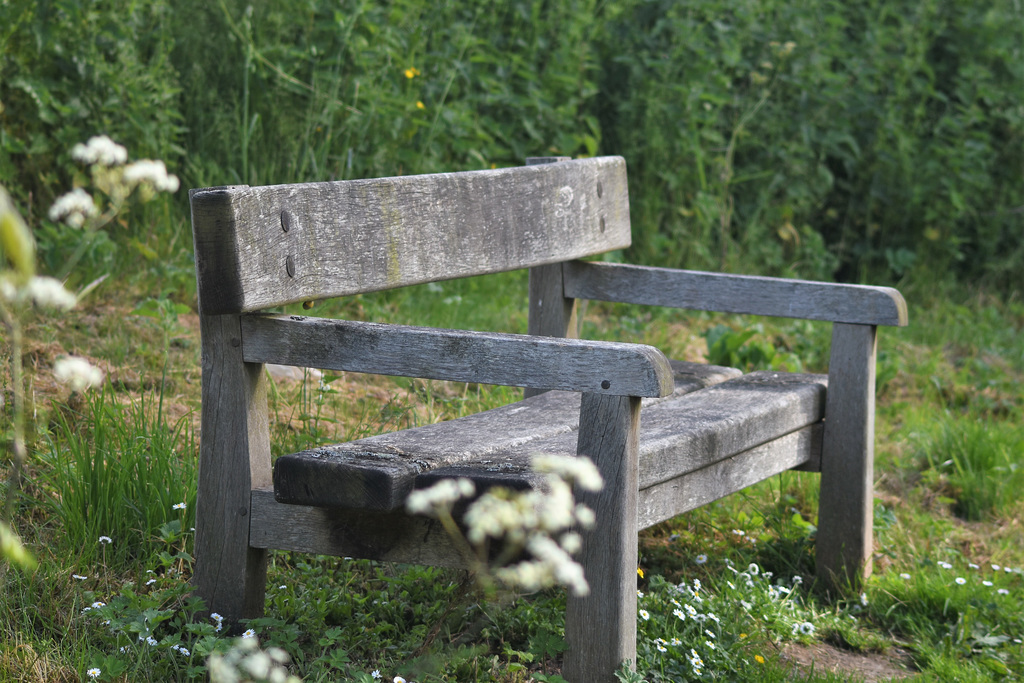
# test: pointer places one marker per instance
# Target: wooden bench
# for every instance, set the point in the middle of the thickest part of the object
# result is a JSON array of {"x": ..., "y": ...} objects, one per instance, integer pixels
[{"x": 705, "y": 432}]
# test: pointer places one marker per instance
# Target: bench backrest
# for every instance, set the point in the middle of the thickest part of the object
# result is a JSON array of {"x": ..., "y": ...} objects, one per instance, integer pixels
[{"x": 261, "y": 247}]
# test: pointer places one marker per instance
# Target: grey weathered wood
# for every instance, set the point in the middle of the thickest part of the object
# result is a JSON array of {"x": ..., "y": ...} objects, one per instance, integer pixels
[
  {"x": 845, "y": 509},
  {"x": 727, "y": 293},
  {"x": 234, "y": 458},
  {"x": 551, "y": 314},
  {"x": 261, "y": 247},
  {"x": 689, "y": 491},
  {"x": 685, "y": 433},
  {"x": 601, "y": 628},
  {"x": 484, "y": 357},
  {"x": 385, "y": 536},
  {"x": 378, "y": 472}
]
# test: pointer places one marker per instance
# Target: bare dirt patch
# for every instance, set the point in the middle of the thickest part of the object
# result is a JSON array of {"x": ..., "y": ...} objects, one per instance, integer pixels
[{"x": 869, "y": 667}]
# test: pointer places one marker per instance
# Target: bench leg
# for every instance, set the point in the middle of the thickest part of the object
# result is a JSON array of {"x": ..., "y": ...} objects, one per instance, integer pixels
[
  {"x": 845, "y": 508},
  {"x": 601, "y": 628},
  {"x": 234, "y": 458}
]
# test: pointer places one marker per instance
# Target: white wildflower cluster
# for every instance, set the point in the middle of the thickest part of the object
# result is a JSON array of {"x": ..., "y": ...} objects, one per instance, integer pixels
[
  {"x": 245, "y": 661},
  {"x": 537, "y": 521},
  {"x": 74, "y": 208},
  {"x": 439, "y": 496},
  {"x": 39, "y": 291},
  {"x": 77, "y": 373},
  {"x": 152, "y": 173},
  {"x": 101, "y": 150}
]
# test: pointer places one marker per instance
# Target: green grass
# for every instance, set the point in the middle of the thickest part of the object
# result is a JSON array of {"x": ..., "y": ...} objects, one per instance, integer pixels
[
  {"x": 341, "y": 620},
  {"x": 884, "y": 141}
]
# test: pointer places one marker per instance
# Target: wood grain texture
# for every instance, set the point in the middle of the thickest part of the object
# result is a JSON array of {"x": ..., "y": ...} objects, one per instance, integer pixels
[
  {"x": 485, "y": 357},
  {"x": 385, "y": 536},
  {"x": 551, "y": 314},
  {"x": 234, "y": 458},
  {"x": 364, "y": 235},
  {"x": 735, "y": 293},
  {"x": 689, "y": 491},
  {"x": 601, "y": 628},
  {"x": 378, "y": 472},
  {"x": 846, "y": 509}
]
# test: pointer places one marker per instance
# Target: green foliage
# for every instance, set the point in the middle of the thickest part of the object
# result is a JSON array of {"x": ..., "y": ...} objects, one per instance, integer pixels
[
  {"x": 886, "y": 135},
  {"x": 979, "y": 461},
  {"x": 865, "y": 139},
  {"x": 116, "y": 471}
]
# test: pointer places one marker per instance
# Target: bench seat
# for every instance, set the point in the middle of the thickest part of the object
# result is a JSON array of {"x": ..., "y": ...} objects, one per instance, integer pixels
[{"x": 716, "y": 422}]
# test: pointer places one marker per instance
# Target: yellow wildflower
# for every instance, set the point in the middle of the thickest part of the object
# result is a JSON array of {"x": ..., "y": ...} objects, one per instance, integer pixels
[
  {"x": 420, "y": 105},
  {"x": 412, "y": 72}
]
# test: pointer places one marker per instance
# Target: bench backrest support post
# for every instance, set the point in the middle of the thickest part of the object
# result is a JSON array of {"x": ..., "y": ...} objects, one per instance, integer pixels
[{"x": 234, "y": 458}]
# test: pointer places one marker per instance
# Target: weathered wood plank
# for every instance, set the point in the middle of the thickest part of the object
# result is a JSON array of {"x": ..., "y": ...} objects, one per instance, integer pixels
[
  {"x": 551, "y": 314},
  {"x": 386, "y": 536},
  {"x": 689, "y": 432},
  {"x": 845, "y": 512},
  {"x": 234, "y": 458},
  {"x": 379, "y": 472},
  {"x": 486, "y": 357},
  {"x": 727, "y": 293},
  {"x": 601, "y": 628},
  {"x": 260, "y": 247},
  {"x": 689, "y": 491}
]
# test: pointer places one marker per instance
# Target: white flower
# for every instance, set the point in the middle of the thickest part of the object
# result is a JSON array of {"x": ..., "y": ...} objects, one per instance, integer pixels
[
  {"x": 93, "y": 673},
  {"x": 639, "y": 594},
  {"x": 995, "y": 567},
  {"x": 701, "y": 559},
  {"x": 679, "y": 613},
  {"x": 579, "y": 470},
  {"x": 151, "y": 582},
  {"x": 100, "y": 150},
  {"x": 864, "y": 599},
  {"x": 807, "y": 628},
  {"x": 249, "y": 634},
  {"x": 960, "y": 580},
  {"x": 77, "y": 373},
  {"x": 986, "y": 583},
  {"x": 644, "y": 614},
  {"x": 376, "y": 674},
  {"x": 440, "y": 495},
  {"x": 739, "y": 532},
  {"x": 178, "y": 506},
  {"x": 98, "y": 604},
  {"x": 150, "y": 640},
  {"x": 151, "y": 172},
  {"x": 397, "y": 679},
  {"x": 945, "y": 565},
  {"x": 73, "y": 208},
  {"x": 904, "y": 576},
  {"x": 660, "y": 647},
  {"x": 753, "y": 569},
  {"x": 1003, "y": 591},
  {"x": 80, "y": 578},
  {"x": 47, "y": 292},
  {"x": 105, "y": 540},
  {"x": 973, "y": 566}
]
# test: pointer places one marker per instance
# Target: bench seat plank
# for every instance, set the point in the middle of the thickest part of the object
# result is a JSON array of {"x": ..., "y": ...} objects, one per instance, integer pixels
[
  {"x": 378, "y": 472},
  {"x": 692, "y": 429}
]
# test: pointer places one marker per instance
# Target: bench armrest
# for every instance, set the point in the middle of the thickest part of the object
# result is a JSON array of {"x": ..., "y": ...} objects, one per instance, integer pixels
[
  {"x": 724, "y": 293},
  {"x": 598, "y": 367}
]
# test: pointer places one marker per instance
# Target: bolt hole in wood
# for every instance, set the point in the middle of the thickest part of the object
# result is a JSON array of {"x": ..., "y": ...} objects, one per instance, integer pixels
[
  {"x": 286, "y": 221},
  {"x": 600, "y": 189},
  {"x": 289, "y": 266},
  {"x": 606, "y": 384},
  {"x": 602, "y": 223}
]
